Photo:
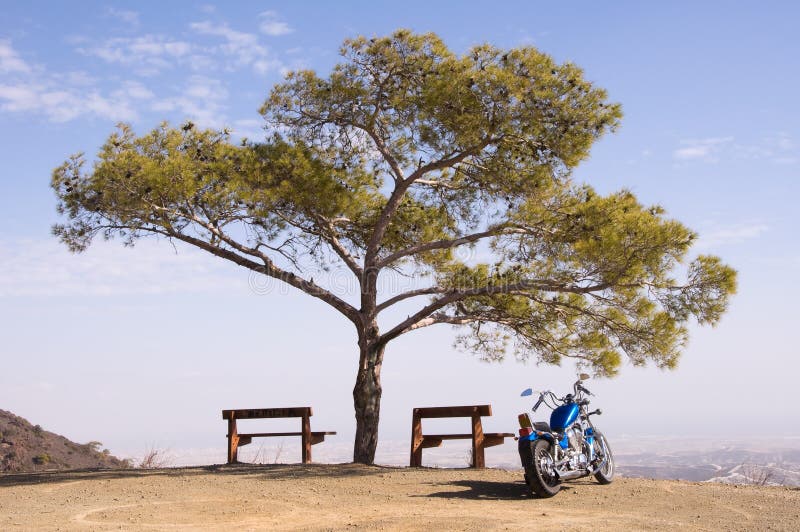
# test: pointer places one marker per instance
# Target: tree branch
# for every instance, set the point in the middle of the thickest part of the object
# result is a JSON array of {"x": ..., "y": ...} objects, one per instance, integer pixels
[
  {"x": 446, "y": 244},
  {"x": 397, "y": 172},
  {"x": 450, "y": 161},
  {"x": 340, "y": 250},
  {"x": 270, "y": 269},
  {"x": 329, "y": 237},
  {"x": 411, "y": 293},
  {"x": 435, "y": 184},
  {"x": 458, "y": 295},
  {"x": 401, "y": 187},
  {"x": 442, "y": 318}
]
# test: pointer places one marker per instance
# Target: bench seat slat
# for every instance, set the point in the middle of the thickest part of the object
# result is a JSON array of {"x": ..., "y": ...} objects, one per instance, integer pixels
[
  {"x": 468, "y": 436},
  {"x": 265, "y": 413},
  {"x": 490, "y": 439},
  {"x": 448, "y": 436},
  {"x": 453, "y": 411},
  {"x": 268, "y": 434}
]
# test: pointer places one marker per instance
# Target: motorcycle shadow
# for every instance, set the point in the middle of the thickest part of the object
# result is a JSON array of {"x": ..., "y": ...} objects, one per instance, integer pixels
[{"x": 484, "y": 490}]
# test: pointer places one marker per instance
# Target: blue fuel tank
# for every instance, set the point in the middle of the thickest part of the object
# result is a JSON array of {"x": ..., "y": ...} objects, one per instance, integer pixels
[{"x": 564, "y": 416}]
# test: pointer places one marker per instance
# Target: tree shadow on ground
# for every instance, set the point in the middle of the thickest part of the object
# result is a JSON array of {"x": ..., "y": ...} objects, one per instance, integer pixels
[
  {"x": 482, "y": 490},
  {"x": 488, "y": 490},
  {"x": 265, "y": 472}
]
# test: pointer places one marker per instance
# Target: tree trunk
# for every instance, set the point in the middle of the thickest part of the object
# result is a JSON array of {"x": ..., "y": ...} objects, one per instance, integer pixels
[{"x": 367, "y": 397}]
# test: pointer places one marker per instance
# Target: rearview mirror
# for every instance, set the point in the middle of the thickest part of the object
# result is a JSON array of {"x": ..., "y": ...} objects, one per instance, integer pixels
[
  {"x": 584, "y": 376},
  {"x": 526, "y": 393}
]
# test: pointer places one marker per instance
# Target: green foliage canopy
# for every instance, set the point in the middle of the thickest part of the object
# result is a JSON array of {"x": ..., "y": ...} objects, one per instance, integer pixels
[{"x": 405, "y": 153}]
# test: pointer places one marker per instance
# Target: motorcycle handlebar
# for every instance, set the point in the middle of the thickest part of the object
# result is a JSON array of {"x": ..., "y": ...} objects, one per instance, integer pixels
[
  {"x": 538, "y": 403},
  {"x": 567, "y": 398}
]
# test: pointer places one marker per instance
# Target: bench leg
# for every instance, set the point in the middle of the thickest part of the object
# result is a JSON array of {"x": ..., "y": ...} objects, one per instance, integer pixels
[
  {"x": 306, "y": 443},
  {"x": 416, "y": 441},
  {"x": 478, "y": 459},
  {"x": 233, "y": 442}
]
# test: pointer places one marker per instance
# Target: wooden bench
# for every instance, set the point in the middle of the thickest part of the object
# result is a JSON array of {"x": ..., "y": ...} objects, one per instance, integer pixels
[
  {"x": 480, "y": 440},
  {"x": 236, "y": 440}
]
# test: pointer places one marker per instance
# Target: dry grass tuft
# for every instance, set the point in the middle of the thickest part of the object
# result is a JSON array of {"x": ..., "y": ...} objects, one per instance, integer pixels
[{"x": 154, "y": 459}]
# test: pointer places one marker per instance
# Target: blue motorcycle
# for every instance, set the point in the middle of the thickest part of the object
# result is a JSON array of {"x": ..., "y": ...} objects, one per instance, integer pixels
[{"x": 568, "y": 447}]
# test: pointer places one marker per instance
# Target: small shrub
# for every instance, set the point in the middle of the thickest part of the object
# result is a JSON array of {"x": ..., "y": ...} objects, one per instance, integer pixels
[
  {"x": 41, "y": 459},
  {"x": 761, "y": 475},
  {"x": 94, "y": 446},
  {"x": 154, "y": 459},
  {"x": 262, "y": 457},
  {"x": 37, "y": 429}
]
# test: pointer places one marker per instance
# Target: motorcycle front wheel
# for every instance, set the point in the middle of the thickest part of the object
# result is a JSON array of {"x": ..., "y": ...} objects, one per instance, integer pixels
[
  {"x": 540, "y": 472},
  {"x": 605, "y": 474}
]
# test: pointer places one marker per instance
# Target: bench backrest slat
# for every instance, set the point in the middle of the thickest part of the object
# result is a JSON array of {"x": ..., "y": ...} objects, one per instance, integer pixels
[
  {"x": 261, "y": 413},
  {"x": 453, "y": 411}
]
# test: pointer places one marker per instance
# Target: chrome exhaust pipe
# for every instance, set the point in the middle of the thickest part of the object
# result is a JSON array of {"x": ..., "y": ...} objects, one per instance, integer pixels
[{"x": 569, "y": 475}]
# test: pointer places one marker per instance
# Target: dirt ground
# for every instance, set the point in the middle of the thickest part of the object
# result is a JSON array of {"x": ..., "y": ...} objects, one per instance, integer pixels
[{"x": 340, "y": 497}]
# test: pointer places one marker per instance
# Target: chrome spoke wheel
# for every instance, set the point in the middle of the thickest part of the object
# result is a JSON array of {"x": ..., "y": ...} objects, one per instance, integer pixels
[
  {"x": 602, "y": 451},
  {"x": 547, "y": 467}
]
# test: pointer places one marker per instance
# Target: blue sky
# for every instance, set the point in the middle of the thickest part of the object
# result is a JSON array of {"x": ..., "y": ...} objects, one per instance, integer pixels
[{"x": 107, "y": 345}]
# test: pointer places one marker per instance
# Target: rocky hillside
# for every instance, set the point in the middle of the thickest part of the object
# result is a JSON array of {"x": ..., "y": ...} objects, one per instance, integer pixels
[{"x": 25, "y": 447}]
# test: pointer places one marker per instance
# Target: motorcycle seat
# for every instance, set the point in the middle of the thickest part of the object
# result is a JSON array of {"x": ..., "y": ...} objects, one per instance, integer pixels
[{"x": 542, "y": 426}]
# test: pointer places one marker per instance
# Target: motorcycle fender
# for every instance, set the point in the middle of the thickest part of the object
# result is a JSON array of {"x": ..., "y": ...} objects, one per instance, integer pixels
[{"x": 525, "y": 451}]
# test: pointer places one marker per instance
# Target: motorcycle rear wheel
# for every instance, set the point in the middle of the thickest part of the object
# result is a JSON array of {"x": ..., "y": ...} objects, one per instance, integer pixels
[
  {"x": 540, "y": 473},
  {"x": 605, "y": 475}
]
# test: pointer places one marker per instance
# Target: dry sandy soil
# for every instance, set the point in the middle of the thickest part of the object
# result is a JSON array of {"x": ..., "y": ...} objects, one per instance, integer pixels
[{"x": 338, "y": 497}]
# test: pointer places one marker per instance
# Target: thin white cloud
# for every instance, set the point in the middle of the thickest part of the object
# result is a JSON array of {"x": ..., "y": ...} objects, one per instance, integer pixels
[
  {"x": 202, "y": 100},
  {"x": 272, "y": 25},
  {"x": 777, "y": 148},
  {"x": 733, "y": 234},
  {"x": 10, "y": 61},
  {"x": 129, "y": 17},
  {"x": 146, "y": 54},
  {"x": 65, "y": 96},
  {"x": 63, "y": 105},
  {"x": 75, "y": 78},
  {"x": 135, "y": 90},
  {"x": 61, "y": 97},
  {"x": 250, "y": 128},
  {"x": 46, "y": 268},
  {"x": 244, "y": 48},
  {"x": 704, "y": 149},
  {"x": 692, "y": 152}
]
